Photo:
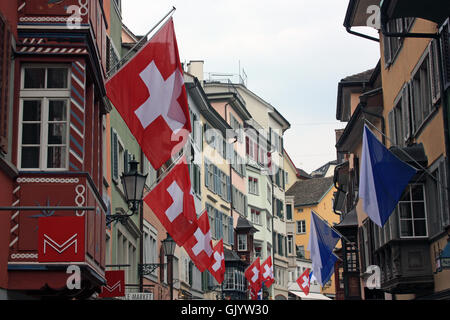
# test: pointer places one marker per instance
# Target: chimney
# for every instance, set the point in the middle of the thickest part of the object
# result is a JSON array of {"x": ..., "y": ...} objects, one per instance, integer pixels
[{"x": 195, "y": 67}]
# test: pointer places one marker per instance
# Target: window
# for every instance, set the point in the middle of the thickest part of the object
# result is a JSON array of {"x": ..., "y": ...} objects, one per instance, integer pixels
[
  {"x": 290, "y": 244},
  {"x": 269, "y": 221},
  {"x": 399, "y": 118},
  {"x": 289, "y": 211},
  {"x": 393, "y": 45},
  {"x": 300, "y": 251},
  {"x": 253, "y": 186},
  {"x": 421, "y": 95},
  {"x": 242, "y": 242},
  {"x": 301, "y": 227},
  {"x": 256, "y": 216},
  {"x": 258, "y": 249},
  {"x": 150, "y": 245},
  {"x": 269, "y": 193},
  {"x": 44, "y": 118},
  {"x": 412, "y": 212}
]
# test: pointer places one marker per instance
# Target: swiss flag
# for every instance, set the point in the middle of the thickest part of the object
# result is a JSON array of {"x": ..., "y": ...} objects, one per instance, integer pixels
[
  {"x": 304, "y": 282},
  {"x": 217, "y": 269},
  {"x": 199, "y": 246},
  {"x": 172, "y": 203},
  {"x": 267, "y": 272},
  {"x": 115, "y": 284},
  {"x": 253, "y": 276},
  {"x": 150, "y": 95}
]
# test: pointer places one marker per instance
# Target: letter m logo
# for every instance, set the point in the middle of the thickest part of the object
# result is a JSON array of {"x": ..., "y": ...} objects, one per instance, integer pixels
[{"x": 61, "y": 239}]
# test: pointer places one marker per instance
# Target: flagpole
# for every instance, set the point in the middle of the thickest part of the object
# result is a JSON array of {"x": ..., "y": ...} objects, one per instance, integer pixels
[
  {"x": 143, "y": 40},
  {"x": 406, "y": 154}
]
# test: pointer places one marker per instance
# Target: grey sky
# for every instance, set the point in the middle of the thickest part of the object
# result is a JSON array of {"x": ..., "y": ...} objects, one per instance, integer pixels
[{"x": 293, "y": 51}]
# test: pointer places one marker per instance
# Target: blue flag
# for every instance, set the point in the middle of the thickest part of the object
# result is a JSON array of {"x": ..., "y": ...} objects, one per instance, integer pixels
[
  {"x": 322, "y": 240},
  {"x": 382, "y": 180}
]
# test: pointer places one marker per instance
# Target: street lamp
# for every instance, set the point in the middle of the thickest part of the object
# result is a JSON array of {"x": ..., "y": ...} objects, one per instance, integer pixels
[
  {"x": 133, "y": 184},
  {"x": 169, "y": 250}
]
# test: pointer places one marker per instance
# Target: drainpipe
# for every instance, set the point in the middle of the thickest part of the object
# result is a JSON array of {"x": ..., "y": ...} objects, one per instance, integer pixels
[
  {"x": 361, "y": 35},
  {"x": 141, "y": 227}
]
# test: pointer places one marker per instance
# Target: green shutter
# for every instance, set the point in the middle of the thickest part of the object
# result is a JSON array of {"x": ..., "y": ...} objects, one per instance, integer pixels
[{"x": 115, "y": 155}]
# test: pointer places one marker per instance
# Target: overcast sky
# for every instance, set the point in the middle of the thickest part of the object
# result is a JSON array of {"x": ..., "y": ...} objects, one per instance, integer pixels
[{"x": 294, "y": 53}]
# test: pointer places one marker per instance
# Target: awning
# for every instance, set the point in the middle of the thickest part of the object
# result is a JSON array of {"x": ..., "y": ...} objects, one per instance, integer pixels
[{"x": 310, "y": 296}]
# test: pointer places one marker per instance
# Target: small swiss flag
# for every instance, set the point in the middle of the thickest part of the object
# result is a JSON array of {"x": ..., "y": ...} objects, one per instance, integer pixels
[
  {"x": 267, "y": 272},
  {"x": 217, "y": 269},
  {"x": 172, "y": 203},
  {"x": 199, "y": 246},
  {"x": 150, "y": 95},
  {"x": 253, "y": 275},
  {"x": 304, "y": 282}
]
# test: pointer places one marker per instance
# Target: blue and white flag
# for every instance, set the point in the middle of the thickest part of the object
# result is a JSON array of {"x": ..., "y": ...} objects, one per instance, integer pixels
[
  {"x": 322, "y": 240},
  {"x": 382, "y": 180}
]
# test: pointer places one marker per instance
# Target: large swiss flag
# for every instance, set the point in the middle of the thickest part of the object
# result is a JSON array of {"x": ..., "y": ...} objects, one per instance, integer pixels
[
  {"x": 267, "y": 272},
  {"x": 199, "y": 246},
  {"x": 217, "y": 269},
  {"x": 253, "y": 276},
  {"x": 150, "y": 95},
  {"x": 172, "y": 203}
]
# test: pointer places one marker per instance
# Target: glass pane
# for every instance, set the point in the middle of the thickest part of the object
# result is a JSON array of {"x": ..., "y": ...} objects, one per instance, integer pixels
[
  {"x": 31, "y": 133},
  {"x": 34, "y": 78},
  {"x": 56, "y": 157},
  {"x": 419, "y": 210},
  {"x": 57, "y": 78},
  {"x": 31, "y": 110},
  {"x": 405, "y": 210},
  {"x": 57, "y": 133},
  {"x": 419, "y": 228},
  {"x": 406, "y": 228},
  {"x": 30, "y": 157},
  {"x": 417, "y": 192},
  {"x": 57, "y": 110}
]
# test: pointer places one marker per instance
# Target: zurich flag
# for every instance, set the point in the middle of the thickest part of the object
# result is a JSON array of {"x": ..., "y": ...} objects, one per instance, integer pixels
[
  {"x": 382, "y": 180},
  {"x": 322, "y": 240}
]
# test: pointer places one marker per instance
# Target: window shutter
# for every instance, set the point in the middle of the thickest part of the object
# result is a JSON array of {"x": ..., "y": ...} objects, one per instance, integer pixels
[
  {"x": 228, "y": 189},
  {"x": 444, "y": 194},
  {"x": 445, "y": 52},
  {"x": 387, "y": 51},
  {"x": 434, "y": 71},
  {"x": 392, "y": 135},
  {"x": 5, "y": 63},
  {"x": 126, "y": 158},
  {"x": 231, "y": 230},
  {"x": 206, "y": 173},
  {"x": 406, "y": 119},
  {"x": 115, "y": 155}
]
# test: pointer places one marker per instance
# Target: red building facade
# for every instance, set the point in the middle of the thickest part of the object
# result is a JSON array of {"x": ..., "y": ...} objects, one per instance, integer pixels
[{"x": 52, "y": 110}]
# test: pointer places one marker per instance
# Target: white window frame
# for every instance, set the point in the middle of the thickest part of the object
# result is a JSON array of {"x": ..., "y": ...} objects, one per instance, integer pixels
[
  {"x": 303, "y": 224},
  {"x": 150, "y": 256},
  {"x": 412, "y": 219},
  {"x": 242, "y": 240},
  {"x": 256, "y": 218}
]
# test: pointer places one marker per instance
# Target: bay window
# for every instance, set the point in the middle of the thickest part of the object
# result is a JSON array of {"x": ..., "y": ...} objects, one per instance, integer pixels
[
  {"x": 44, "y": 118},
  {"x": 412, "y": 212}
]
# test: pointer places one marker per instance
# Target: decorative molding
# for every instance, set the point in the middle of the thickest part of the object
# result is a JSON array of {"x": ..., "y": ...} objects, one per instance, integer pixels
[
  {"x": 24, "y": 256},
  {"x": 48, "y": 180}
]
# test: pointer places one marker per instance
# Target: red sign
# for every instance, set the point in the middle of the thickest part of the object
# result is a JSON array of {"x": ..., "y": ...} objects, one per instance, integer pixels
[
  {"x": 115, "y": 284},
  {"x": 61, "y": 239}
]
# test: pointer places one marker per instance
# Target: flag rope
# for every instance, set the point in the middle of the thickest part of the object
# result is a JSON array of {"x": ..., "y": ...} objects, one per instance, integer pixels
[
  {"x": 405, "y": 153},
  {"x": 140, "y": 42}
]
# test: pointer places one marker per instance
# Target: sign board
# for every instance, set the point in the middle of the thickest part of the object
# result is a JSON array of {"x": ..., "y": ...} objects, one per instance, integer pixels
[
  {"x": 139, "y": 296},
  {"x": 115, "y": 284}
]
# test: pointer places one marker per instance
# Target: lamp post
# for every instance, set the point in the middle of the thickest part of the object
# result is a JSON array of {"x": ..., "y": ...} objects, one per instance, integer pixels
[
  {"x": 133, "y": 184},
  {"x": 169, "y": 250}
]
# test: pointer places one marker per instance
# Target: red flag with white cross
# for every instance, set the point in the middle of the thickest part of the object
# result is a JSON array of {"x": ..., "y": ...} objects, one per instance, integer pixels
[
  {"x": 149, "y": 94},
  {"x": 172, "y": 203},
  {"x": 217, "y": 269},
  {"x": 267, "y": 272},
  {"x": 304, "y": 282},
  {"x": 253, "y": 275},
  {"x": 199, "y": 246}
]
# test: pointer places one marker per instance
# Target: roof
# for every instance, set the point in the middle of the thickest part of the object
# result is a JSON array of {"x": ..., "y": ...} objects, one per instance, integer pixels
[
  {"x": 243, "y": 224},
  {"x": 320, "y": 172},
  {"x": 302, "y": 173},
  {"x": 364, "y": 76},
  {"x": 310, "y": 192},
  {"x": 230, "y": 255}
]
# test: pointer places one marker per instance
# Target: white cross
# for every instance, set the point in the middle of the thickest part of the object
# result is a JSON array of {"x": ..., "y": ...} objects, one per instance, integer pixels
[
  {"x": 268, "y": 272},
  {"x": 255, "y": 274},
  {"x": 203, "y": 243},
  {"x": 177, "y": 206},
  {"x": 305, "y": 282},
  {"x": 163, "y": 98},
  {"x": 218, "y": 257}
]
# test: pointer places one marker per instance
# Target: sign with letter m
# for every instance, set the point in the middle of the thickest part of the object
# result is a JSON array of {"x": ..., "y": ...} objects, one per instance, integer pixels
[{"x": 61, "y": 239}]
